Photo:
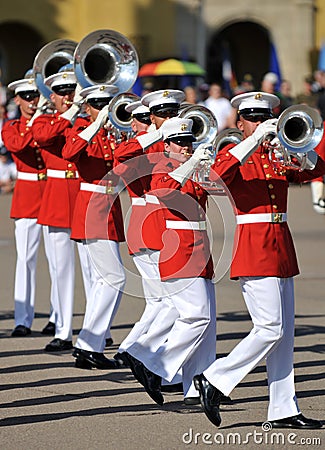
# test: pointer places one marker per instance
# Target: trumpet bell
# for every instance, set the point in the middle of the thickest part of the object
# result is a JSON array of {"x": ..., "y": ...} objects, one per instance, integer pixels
[
  {"x": 205, "y": 126},
  {"x": 106, "y": 57},
  {"x": 50, "y": 59},
  {"x": 300, "y": 128},
  {"x": 118, "y": 116}
]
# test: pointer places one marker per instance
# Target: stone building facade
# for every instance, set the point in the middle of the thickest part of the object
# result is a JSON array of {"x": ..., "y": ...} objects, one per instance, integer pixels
[{"x": 200, "y": 30}]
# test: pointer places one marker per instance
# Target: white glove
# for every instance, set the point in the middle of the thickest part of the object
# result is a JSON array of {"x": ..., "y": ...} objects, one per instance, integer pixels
[
  {"x": 77, "y": 97},
  {"x": 265, "y": 129},
  {"x": 88, "y": 133},
  {"x": 247, "y": 147},
  {"x": 41, "y": 107},
  {"x": 203, "y": 152},
  {"x": 185, "y": 171},
  {"x": 148, "y": 139},
  {"x": 317, "y": 193},
  {"x": 71, "y": 113}
]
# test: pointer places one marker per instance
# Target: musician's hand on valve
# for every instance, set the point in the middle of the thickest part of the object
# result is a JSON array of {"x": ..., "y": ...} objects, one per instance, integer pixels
[
  {"x": 203, "y": 153},
  {"x": 265, "y": 130},
  {"x": 88, "y": 133}
]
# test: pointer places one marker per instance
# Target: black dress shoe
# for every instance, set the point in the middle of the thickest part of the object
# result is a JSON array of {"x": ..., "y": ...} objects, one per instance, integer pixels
[
  {"x": 176, "y": 388},
  {"x": 297, "y": 422},
  {"x": 122, "y": 360},
  {"x": 191, "y": 401},
  {"x": 149, "y": 380},
  {"x": 196, "y": 400},
  {"x": 209, "y": 398},
  {"x": 21, "y": 331},
  {"x": 58, "y": 345},
  {"x": 109, "y": 342},
  {"x": 49, "y": 329},
  {"x": 92, "y": 360}
]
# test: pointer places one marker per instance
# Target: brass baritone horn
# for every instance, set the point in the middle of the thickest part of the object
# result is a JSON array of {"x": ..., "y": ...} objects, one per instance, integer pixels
[
  {"x": 118, "y": 116},
  {"x": 226, "y": 137},
  {"x": 300, "y": 128},
  {"x": 106, "y": 57},
  {"x": 205, "y": 126}
]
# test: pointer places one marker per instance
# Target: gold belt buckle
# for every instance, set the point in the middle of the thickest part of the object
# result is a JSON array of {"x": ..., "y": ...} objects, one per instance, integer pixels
[
  {"x": 69, "y": 174},
  {"x": 109, "y": 189},
  {"x": 41, "y": 176},
  {"x": 277, "y": 217}
]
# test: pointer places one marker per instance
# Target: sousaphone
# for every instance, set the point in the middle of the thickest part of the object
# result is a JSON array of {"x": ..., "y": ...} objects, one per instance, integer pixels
[{"x": 106, "y": 57}]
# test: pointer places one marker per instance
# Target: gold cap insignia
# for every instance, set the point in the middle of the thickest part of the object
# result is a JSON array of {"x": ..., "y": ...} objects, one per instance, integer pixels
[
  {"x": 184, "y": 126},
  {"x": 258, "y": 96},
  {"x": 64, "y": 75},
  {"x": 102, "y": 88},
  {"x": 165, "y": 94}
]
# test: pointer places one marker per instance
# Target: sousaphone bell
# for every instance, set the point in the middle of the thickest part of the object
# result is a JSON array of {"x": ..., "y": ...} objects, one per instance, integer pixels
[
  {"x": 50, "y": 59},
  {"x": 106, "y": 57}
]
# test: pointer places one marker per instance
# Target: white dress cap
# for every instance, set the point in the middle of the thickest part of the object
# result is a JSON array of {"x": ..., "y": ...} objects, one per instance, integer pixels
[
  {"x": 255, "y": 100},
  {"x": 162, "y": 97},
  {"x": 177, "y": 127},
  {"x": 99, "y": 91},
  {"x": 137, "y": 108},
  {"x": 26, "y": 84},
  {"x": 60, "y": 79}
]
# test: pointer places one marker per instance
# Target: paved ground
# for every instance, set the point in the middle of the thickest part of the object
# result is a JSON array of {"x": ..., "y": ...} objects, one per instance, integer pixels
[{"x": 45, "y": 402}]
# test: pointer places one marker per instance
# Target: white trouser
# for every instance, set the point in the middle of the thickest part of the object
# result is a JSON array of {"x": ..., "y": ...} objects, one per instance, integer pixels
[
  {"x": 270, "y": 303},
  {"x": 191, "y": 342},
  {"x": 62, "y": 271},
  {"x": 86, "y": 269},
  {"x": 147, "y": 265},
  {"x": 47, "y": 253},
  {"x": 109, "y": 280},
  {"x": 28, "y": 238}
]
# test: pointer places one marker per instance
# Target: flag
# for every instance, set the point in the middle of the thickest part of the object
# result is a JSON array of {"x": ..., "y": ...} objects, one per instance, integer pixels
[
  {"x": 228, "y": 76},
  {"x": 274, "y": 65},
  {"x": 321, "y": 58}
]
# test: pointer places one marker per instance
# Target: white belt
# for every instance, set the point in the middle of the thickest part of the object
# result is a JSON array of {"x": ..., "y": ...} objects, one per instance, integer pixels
[
  {"x": 138, "y": 201},
  {"x": 152, "y": 199},
  {"x": 62, "y": 173},
  {"x": 100, "y": 189},
  {"x": 27, "y": 176},
  {"x": 186, "y": 225},
  {"x": 259, "y": 218}
]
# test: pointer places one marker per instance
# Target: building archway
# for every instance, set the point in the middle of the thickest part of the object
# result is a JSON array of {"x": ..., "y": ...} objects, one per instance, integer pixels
[
  {"x": 17, "y": 50},
  {"x": 247, "y": 44}
]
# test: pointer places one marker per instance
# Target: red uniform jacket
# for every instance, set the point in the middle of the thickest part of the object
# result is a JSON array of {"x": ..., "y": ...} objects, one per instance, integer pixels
[
  {"x": 320, "y": 149},
  {"x": 186, "y": 252},
  {"x": 146, "y": 226},
  {"x": 28, "y": 156},
  {"x": 96, "y": 215},
  {"x": 58, "y": 202},
  {"x": 261, "y": 249}
]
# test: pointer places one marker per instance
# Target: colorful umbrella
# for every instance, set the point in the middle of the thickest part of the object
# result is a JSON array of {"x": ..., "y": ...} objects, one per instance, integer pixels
[{"x": 170, "y": 67}]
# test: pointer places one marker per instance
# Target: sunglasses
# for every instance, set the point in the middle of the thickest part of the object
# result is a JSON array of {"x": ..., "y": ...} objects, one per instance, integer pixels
[
  {"x": 62, "y": 91},
  {"x": 166, "y": 113},
  {"x": 256, "y": 118},
  {"x": 29, "y": 95},
  {"x": 98, "y": 104},
  {"x": 182, "y": 142}
]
